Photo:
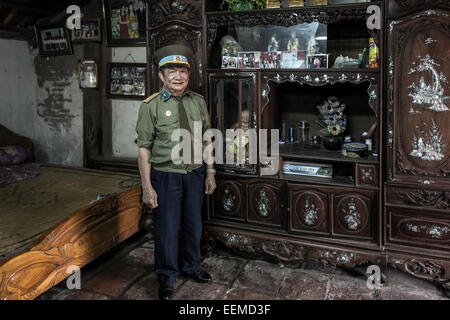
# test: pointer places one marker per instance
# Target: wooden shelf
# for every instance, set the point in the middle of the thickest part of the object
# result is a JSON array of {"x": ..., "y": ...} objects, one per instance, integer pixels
[
  {"x": 306, "y": 8},
  {"x": 298, "y": 152},
  {"x": 319, "y": 71}
]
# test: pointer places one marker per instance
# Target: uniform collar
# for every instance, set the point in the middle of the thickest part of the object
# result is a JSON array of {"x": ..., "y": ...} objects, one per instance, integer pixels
[{"x": 166, "y": 94}]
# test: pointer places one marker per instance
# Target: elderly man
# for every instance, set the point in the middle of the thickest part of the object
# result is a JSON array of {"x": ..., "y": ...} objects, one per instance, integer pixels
[{"x": 174, "y": 191}]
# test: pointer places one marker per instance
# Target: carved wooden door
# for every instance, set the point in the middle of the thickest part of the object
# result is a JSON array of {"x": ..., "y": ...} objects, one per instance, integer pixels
[
  {"x": 418, "y": 101},
  {"x": 171, "y": 22}
]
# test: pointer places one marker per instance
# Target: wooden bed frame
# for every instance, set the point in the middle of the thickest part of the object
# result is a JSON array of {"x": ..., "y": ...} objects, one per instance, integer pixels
[{"x": 82, "y": 237}]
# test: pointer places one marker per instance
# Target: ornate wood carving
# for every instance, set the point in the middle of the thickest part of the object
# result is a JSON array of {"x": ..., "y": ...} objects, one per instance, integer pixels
[
  {"x": 418, "y": 229},
  {"x": 418, "y": 114},
  {"x": 166, "y": 11},
  {"x": 352, "y": 214},
  {"x": 83, "y": 237},
  {"x": 228, "y": 202},
  {"x": 435, "y": 270},
  {"x": 284, "y": 249},
  {"x": 309, "y": 211},
  {"x": 426, "y": 198},
  {"x": 286, "y": 18},
  {"x": 320, "y": 79},
  {"x": 367, "y": 175},
  {"x": 265, "y": 204}
]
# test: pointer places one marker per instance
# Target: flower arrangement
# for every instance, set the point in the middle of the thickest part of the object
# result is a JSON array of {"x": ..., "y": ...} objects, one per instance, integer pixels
[{"x": 332, "y": 117}]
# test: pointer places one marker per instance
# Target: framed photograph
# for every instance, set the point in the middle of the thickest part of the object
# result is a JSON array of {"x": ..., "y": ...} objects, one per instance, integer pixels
[
  {"x": 53, "y": 40},
  {"x": 230, "y": 62},
  {"x": 88, "y": 74},
  {"x": 270, "y": 60},
  {"x": 125, "y": 22},
  {"x": 249, "y": 60},
  {"x": 89, "y": 31},
  {"x": 317, "y": 61},
  {"x": 126, "y": 81},
  {"x": 293, "y": 60}
]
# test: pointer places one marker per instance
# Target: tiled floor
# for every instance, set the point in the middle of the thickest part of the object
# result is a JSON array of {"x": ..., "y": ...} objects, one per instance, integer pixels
[{"x": 127, "y": 272}]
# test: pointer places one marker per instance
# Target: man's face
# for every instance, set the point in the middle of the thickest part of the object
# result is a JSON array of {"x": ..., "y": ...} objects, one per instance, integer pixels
[{"x": 175, "y": 80}]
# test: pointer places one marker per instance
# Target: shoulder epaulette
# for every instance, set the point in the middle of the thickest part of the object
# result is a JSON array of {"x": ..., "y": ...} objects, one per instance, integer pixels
[
  {"x": 151, "y": 97},
  {"x": 197, "y": 94}
]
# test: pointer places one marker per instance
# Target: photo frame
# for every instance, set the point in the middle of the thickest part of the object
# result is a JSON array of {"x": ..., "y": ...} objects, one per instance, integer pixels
[
  {"x": 229, "y": 62},
  {"x": 127, "y": 81},
  {"x": 317, "y": 61},
  {"x": 249, "y": 60},
  {"x": 90, "y": 31},
  {"x": 270, "y": 60},
  {"x": 53, "y": 40},
  {"x": 125, "y": 22},
  {"x": 87, "y": 74}
]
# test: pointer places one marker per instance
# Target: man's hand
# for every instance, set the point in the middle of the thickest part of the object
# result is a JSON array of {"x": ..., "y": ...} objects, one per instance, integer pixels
[
  {"x": 149, "y": 197},
  {"x": 210, "y": 183}
]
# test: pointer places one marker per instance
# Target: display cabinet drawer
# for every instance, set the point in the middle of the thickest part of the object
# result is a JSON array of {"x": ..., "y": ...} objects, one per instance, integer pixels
[
  {"x": 266, "y": 204},
  {"x": 308, "y": 210},
  {"x": 418, "y": 228},
  {"x": 229, "y": 201},
  {"x": 367, "y": 175},
  {"x": 354, "y": 213}
]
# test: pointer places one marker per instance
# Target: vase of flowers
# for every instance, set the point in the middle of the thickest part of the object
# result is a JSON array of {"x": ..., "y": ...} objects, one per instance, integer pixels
[{"x": 333, "y": 122}]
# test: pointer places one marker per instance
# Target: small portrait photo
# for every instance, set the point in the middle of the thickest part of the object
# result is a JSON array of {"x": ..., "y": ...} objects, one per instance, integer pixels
[
  {"x": 230, "y": 62},
  {"x": 270, "y": 60},
  {"x": 115, "y": 86},
  {"x": 317, "y": 61},
  {"x": 140, "y": 72},
  {"x": 89, "y": 31},
  {"x": 249, "y": 60},
  {"x": 87, "y": 74},
  {"x": 127, "y": 87},
  {"x": 116, "y": 72},
  {"x": 293, "y": 60}
]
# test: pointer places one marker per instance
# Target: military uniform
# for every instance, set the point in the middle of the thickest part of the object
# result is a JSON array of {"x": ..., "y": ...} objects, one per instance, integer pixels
[
  {"x": 180, "y": 188},
  {"x": 159, "y": 116}
]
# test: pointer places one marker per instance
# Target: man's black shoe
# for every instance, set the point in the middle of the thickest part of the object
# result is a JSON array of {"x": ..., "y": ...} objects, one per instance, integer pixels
[
  {"x": 201, "y": 276},
  {"x": 165, "y": 293}
]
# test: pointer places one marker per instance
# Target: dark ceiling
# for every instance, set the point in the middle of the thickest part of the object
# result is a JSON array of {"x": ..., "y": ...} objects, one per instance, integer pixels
[{"x": 17, "y": 17}]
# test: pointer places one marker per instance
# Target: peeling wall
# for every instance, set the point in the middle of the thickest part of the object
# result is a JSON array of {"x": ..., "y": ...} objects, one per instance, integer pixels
[
  {"x": 17, "y": 87},
  {"x": 59, "y": 110}
]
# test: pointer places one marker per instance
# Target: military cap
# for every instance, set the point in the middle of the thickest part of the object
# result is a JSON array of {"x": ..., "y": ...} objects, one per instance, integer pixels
[{"x": 173, "y": 54}]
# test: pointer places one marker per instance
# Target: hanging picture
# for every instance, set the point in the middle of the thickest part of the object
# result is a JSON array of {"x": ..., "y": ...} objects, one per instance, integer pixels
[
  {"x": 53, "y": 40},
  {"x": 88, "y": 74},
  {"x": 125, "y": 22},
  {"x": 89, "y": 31},
  {"x": 127, "y": 80}
]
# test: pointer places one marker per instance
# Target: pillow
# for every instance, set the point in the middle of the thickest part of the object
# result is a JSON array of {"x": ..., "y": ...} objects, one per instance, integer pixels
[{"x": 13, "y": 155}]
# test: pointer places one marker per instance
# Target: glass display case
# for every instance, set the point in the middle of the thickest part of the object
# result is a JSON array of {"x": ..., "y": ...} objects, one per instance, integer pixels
[{"x": 232, "y": 107}]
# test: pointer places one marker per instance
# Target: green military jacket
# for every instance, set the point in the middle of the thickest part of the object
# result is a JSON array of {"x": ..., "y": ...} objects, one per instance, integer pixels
[{"x": 159, "y": 116}]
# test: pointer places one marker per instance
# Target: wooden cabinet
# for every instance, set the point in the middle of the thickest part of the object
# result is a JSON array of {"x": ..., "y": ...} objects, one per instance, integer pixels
[
  {"x": 417, "y": 188},
  {"x": 418, "y": 106}
]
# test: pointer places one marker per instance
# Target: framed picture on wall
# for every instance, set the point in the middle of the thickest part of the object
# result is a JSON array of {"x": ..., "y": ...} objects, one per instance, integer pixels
[
  {"x": 89, "y": 31},
  {"x": 53, "y": 40},
  {"x": 88, "y": 74},
  {"x": 125, "y": 22},
  {"x": 126, "y": 81}
]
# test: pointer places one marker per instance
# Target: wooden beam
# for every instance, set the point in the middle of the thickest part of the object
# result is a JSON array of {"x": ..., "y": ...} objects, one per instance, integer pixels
[{"x": 10, "y": 16}]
